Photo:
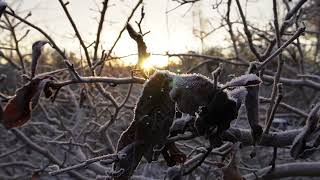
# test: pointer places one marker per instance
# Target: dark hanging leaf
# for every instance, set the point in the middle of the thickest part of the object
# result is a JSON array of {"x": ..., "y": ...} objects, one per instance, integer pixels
[
  {"x": 142, "y": 48},
  {"x": 1, "y": 113},
  {"x": 252, "y": 108},
  {"x": 305, "y": 143},
  {"x": 124, "y": 168},
  {"x": 252, "y": 105},
  {"x": 83, "y": 97},
  {"x": 217, "y": 114},
  {"x": 190, "y": 91},
  {"x": 36, "y": 53},
  {"x": 41, "y": 87},
  {"x": 153, "y": 117},
  {"x": 2, "y": 77},
  {"x": 35, "y": 175},
  {"x": 3, "y": 6},
  {"x": 18, "y": 110}
]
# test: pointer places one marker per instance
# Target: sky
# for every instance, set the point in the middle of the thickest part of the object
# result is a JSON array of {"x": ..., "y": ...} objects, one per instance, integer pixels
[{"x": 169, "y": 31}]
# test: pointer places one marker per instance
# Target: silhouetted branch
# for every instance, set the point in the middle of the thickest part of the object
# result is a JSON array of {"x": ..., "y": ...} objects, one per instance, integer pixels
[
  {"x": 64, "y": 6},
  {"x": 100, "y": 27},
  {"x": 297, "y": 169}
]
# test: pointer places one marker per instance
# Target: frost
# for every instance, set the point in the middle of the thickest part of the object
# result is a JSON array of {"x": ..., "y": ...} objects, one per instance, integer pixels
[
  {"x": 238, "y": 95},
  {"x": 244, "y": 80}
]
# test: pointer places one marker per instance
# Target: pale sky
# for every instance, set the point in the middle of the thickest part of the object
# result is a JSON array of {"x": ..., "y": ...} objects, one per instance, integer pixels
[{"x": 171, "y": 32}]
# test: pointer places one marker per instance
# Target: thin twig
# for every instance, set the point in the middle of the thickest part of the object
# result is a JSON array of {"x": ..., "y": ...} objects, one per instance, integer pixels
[
  {"x": 110, "y": 157},
  {"x": 280, "y": 49},
  {"x": 64, "y": 6},
  {"x": 274, "y": 108},
  {"x": 279, "y": 68},
  {"x": 100, "y": 27}
]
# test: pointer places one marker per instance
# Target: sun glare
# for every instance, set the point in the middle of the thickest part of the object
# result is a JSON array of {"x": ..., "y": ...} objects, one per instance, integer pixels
[{"x": 155, "y": 62}]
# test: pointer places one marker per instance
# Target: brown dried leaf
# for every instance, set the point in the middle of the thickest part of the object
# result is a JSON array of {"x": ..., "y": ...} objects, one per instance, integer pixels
[
  {"x": 18, "y": 109},
  {"x": 231, "y": 171},
  {"x": 1, "y": 113},
  {"x": 173, "y": 155},
  {"x": 36, "y": 53},
  {"x": 35, "y": 175}
]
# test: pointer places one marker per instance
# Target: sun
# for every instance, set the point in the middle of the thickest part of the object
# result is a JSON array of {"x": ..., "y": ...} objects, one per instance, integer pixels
[{"x": 155, "y": 61}]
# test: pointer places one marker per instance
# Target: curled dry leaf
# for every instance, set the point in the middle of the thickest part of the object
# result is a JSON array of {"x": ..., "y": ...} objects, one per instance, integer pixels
[
  {"x": 36, "y": 53},
  {"x": 190, "y": 91},
  {"x": 83, "y": 97},
  {"x": 173, "y": 155},
  {"x": 308, "y": 140},
  {"x": 153, "y": 117},
  {"x": 252, "y": 106},
  {"x": 18, "y": 109},
  {"x": 3, "y": 6},
  {"x": 217, "y": 114},
  {"x": 142, "y": 48}
]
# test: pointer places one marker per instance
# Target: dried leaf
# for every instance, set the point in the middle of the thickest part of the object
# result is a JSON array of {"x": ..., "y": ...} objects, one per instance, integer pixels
[
  {"x": 153, "y": 118},
  {"x": 83, "y": 97},
  {"x": 219, "y": 113},
  {"x": 1, "y": 113},
  {"x": 231, "y": 171},
  {"x": 18, "y": 109},
  {"x": 35, "y": 175},
  {"x": 36, "y": 53},
  {"x": 252, "y": 108},
  {"x": 41, "y": 86},
  {"x": 142, "y": 48},
  {"x": 299, "y": 148},
  {"x": 190, "y": 91},
  {"x": 173, "y": 155},
  {"x": 126, "y": 166},
  {"x": 3, "y": 6}
]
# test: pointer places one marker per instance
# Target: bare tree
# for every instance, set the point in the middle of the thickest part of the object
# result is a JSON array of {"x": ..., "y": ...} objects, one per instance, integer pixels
[{"x": 74, "y": 119}]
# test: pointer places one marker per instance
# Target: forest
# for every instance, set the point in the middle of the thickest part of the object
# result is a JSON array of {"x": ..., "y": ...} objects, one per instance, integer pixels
[{"x": 147, "y": 89}]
